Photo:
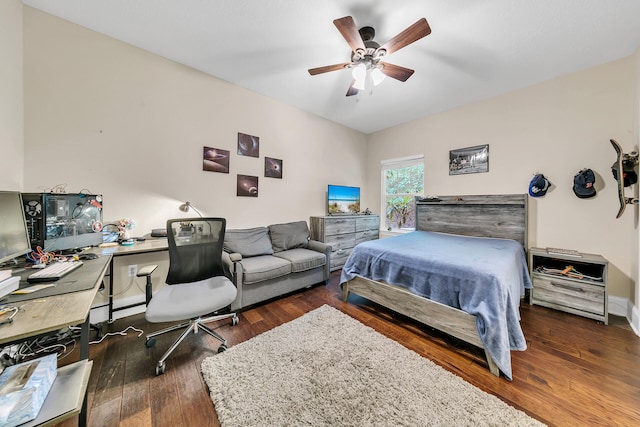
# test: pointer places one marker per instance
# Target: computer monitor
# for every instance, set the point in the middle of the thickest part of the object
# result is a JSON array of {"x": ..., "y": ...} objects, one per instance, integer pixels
[{"x": 14, "y": 237}]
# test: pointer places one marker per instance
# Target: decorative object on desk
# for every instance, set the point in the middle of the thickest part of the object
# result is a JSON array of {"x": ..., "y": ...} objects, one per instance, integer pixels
[
  {"x": 247, "y": 186},
  {"x": 469, "y": 160},
  {"x": 23, "y": 389},
  {"x": 185, "y": 208},
  {"x": 248, "y": 145},
  {"x": 215, "y": 160},
  {"x": 110, "y": 233},
  {"x": 124, "y": 225},
  {"x": 272, "y": 167}
]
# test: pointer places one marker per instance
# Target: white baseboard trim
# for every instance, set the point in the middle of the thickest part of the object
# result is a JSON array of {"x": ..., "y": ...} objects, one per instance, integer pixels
[
  {"x": 625, "y": 308},
  {"x": 100, "y": 313}
]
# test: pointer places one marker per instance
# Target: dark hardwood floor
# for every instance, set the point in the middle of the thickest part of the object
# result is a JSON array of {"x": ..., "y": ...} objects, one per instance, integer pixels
[{"x": 575, "y": 371}]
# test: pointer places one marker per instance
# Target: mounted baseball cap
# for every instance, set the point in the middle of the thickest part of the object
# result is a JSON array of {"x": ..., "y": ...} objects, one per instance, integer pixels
[
  {"x": 539, "y": 185},
  {"x": 629, "y": 174},
  {"x": 583, "y": 184}
]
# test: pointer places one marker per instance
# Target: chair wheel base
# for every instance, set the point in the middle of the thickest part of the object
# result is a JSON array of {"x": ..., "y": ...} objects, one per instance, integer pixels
[
  {"x": 150, "y": 342},
  {"x": 222, "y": 348},
  {"x": 160, "y": 368},
  {"x": 234, "y": 320}
]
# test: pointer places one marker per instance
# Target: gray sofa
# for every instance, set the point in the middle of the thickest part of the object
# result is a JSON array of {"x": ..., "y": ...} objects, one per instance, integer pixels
[{"x": 267, "y": 262}]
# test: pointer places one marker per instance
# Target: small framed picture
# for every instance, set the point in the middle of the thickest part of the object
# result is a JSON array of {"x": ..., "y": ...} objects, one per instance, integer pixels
[
  {"x": 215, "y": 160},
  {"x": 469, "y": 160},
  {"x": 248, "y": 145},
  {"x": 247, "y": 186},
  {"x": 272, "y": 167}
]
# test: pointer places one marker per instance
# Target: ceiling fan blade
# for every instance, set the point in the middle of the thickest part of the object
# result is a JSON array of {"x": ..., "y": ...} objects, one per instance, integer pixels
[
  {"x": 397, "y": 72},
  {"x": 327, "y": 68},
  {"x": 352, "y": 90},
  {"x": 415, "y": 32},
  {"x": 349, "y": 31}
]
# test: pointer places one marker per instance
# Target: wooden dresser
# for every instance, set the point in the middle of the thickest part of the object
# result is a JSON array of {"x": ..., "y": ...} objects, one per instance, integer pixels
[
  {"x": 575, "y": 284},
  {"x": 343, "y": 232}
]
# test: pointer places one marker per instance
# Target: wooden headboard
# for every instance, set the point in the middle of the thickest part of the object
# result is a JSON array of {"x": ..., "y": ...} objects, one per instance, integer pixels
[{"x": 501, "y": 216}]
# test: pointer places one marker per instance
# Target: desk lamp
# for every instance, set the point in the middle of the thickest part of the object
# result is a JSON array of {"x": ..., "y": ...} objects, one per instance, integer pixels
[{"x": 186, "y": 206}]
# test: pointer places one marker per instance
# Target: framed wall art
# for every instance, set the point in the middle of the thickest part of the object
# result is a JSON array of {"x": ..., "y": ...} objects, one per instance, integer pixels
[
  {"x": 248, "y": 145},
  {"x": 247, "y": 186},
  {"x": 272, "y": 167},
  {"x": 215, "y": 160},
  {"x": 469, "y": 160}
]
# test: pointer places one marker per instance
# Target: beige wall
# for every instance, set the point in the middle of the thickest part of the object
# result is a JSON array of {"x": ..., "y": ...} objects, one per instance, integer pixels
[
  {"x": 114, "y": 119},
  {"x": 107, "y": 117},
  {"x": 555, "y": 128},
  {"x": 11, "y": 97}
]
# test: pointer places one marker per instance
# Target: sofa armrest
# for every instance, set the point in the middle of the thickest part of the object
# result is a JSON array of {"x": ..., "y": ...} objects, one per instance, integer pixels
[{"x": 314, "y": 245}]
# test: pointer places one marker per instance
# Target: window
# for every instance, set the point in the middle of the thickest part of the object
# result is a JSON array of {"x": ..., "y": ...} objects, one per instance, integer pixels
[{"x": 402, "y": 180}]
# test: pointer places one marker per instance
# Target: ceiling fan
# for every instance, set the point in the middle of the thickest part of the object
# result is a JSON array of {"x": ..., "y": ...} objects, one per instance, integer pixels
[{"x": 366, "y": 54}]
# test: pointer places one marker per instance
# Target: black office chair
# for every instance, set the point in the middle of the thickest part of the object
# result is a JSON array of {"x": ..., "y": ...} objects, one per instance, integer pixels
[{"x": 197, "y": 285}]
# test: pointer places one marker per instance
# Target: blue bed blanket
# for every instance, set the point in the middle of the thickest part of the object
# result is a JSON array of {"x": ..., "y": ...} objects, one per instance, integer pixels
[{"x": 483, "y": 276}]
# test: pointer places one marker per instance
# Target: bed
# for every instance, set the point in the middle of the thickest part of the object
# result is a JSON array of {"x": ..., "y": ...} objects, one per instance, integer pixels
[{"x": 472, "y": 289}]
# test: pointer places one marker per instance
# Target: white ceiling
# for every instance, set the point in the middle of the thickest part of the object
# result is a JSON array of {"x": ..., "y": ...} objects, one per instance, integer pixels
[{"x": 477, "y": 48}]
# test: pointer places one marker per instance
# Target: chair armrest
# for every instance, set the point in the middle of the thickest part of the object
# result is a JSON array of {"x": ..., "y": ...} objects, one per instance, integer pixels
[
  {"x": 233, "y": 265},
  {"x": 146, "y": 270}
]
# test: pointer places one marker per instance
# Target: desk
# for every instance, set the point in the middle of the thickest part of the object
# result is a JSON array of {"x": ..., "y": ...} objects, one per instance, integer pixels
[
  {"x": 42, "y": 315},
  {"x": 148, "y": 246}
]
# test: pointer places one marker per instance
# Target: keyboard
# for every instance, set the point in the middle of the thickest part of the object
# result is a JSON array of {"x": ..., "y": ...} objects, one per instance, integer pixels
[
  {"x": 565, "y": 252},
  {"x": 54, "y": 271}
]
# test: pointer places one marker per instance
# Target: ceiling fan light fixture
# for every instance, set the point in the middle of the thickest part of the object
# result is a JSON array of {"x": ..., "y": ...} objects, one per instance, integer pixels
[
  {"x": 377, "y": 76},
  {"x": 359, "y": 72},
  {"x": 360, "y": 76}
]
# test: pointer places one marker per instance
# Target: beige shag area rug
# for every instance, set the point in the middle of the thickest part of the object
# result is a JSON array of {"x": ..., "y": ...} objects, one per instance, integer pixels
[{"x": 327, "y": 369}]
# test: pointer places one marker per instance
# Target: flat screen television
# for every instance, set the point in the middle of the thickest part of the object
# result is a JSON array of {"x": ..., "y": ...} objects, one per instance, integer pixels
[
  {"x": 14, "y": 237},
  {"x": 343, "y": 200}
]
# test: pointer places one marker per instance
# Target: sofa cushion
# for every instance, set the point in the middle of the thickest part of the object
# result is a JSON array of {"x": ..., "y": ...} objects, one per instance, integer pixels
[
  {"x": 289, "y": 236},
  {"x": 302, "y": 259},
  {"x": 264, "y": 267},
  {"x": 248, "y": 242}
]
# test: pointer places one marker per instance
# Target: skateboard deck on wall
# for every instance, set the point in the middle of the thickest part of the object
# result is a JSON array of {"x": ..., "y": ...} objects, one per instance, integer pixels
[{"x": 623, "y": 157}]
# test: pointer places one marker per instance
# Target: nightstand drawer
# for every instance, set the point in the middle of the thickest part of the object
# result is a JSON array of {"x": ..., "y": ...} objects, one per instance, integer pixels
[{"x": 566, "y": 293}]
